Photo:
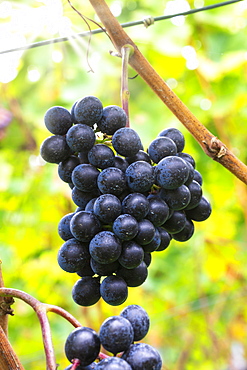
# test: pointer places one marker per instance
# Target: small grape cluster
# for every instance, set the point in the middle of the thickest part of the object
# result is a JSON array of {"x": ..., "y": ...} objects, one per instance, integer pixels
[
  {"x": 117, "y": 335},
  {"x": 130, "y": 202}
]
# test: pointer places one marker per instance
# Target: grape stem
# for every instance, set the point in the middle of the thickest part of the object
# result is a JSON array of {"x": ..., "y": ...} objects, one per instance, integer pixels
[
  {"x": 212, "y": 146},
  {"x": 126, "y": 51},
  {"x": 41, "y": 310}
]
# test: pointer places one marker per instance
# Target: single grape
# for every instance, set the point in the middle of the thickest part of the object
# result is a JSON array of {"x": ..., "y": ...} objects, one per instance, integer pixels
[
  {"x": 191, "y": 173},
  {"x": 72, "y": 255},
  {"x": 81, "y": 198},
  {"x": 86, "y": 291},
  {"x": 90, "y": 205},
  {"x": 176, "y": 222},
  {"x": 198, "y": 177},
  {"x": 178, "y": 198},
  {"x": 111, "y": 181},
  {"x": 139, "y": 156},
  {"x": 158, "y": 211},
  {"x": 88, "y": 110},
  {"x": 176, "y": 136},
  {"x": 145, "y": 233},
  {"x": 85, "y": 270},
  {"x": 188, "y": 158},
  {"x": 107, "y": 208},
  {"x": 154, "y": 244},
  {"x": 136, "y": 204},
  {"x": 113, "y": 363},
  {"x": 139, "y": 320},
  {"x": 83, "y": 157},
  {"x": 142, "y": 356},
  {"x": 132, "y": 254},
  {"x": 201, "y": 212},
  {"x": 165, "y": 239},
  {"x": 171, "y": 172},
  {"x": 121, "y": 163},
  {"x": 134, "y": 277},
  {"x": 84, "y": 225},
  {"x": 140, "y": 176},
  {"x": 113, "y": 118},
  {"x": 82, "y": 343},
  {"x": 80, "y": 138},
  {"x": 55, "y": 149},
  {"x": 114, "y": 290},
  {"x": 161, "y": 147},
  {"x": 195, "y": 194},
  {"x": 101, "y": 156},
  {"x": 64, "y": 227},
  {"x": 125, "y": 227},
  {"x": 66, "y": 168},
  {"x": 105, "y": 269},
  {"x": 84, "y": 177},
  {"x": 105, "y": 247},
  {"x": 126, "y": 142},
  {"x": 58, "y": 120},
  {"x": 116, "y": 334},
  {"x": 186, "y": 233},
  {"x": 147, "y": 258}
]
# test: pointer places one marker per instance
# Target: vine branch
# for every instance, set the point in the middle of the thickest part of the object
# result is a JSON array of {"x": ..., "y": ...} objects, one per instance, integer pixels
[{"x": 211, "y": 145}]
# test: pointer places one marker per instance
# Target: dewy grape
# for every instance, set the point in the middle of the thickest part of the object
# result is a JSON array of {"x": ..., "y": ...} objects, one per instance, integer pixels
[{"x": 130, "y": 202}]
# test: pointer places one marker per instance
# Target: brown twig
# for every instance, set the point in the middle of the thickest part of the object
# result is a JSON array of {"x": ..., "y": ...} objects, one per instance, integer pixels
[{"x": 212, "y": 146}]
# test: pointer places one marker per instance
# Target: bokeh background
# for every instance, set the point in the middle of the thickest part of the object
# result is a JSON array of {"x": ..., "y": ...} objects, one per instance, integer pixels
[{"x": 196, "y": 291}]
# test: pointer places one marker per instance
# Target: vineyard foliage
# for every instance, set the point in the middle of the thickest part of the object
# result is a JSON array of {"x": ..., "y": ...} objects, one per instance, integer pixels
[{"x": 196, "y": 291}]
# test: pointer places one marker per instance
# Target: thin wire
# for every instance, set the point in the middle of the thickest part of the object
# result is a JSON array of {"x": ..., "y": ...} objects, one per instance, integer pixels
[{"x": 124, "y": 25}]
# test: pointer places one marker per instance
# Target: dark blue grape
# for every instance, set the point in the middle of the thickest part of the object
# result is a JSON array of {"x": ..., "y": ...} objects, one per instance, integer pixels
[
  {"x": 105, "y": 269},
  {"x": 195, "y": 194},
  {"x": 113, "y": 118},
  {"x": 132, "y": 254},
  {"x": 116, "y": 334},
  {"x": 134, "y": 277},
  {"x": 107, "y": 208},
  {"x": 154, "y": 244},
  {"x": 161, "y": 147},
  {"x": 105, "y": 247},
  {"x": 80, "y": 138},
  {"x": 147, "y": 258},
  {"x": 158, "y": 211},
  {"x": 139, "y": 156},
  {"x": 121, "y": 163},
  {"x": 85, "y": 270},
  {"x": 114, "y": 290},
  {"x": 84, "y": 177},
  {"x": 176, "y": 222},
  {"x": 139, "y": 320},
  {"x": 176, "y": 136},
  {"x": 186, "y": 233},
  {"x": 72, "y": 112},
  {"x": 145, "y": 233},
  {"x": 101, "y": 156},
  {"x": 113, "y": 363},
  {"x": 176, "y": 199},
  {"x": 88, "y": 110},
  {"x": 64, "y": 227},
  {"x": 72, "y": 255},
  {"x": 55, "y": 149},
  {"x": 136, "y": 204},
  {"x": 198, "y": 177},
  {"x": 86, "y": 291},
  {"x": 66, "y": 168},
  {"x": 140, "y": 176},
  {"x": 125, "y": 227},
  {"x": 90, "y": 205},
  {"x": 58, "y": 120},
  {"x": 84, "y": 225},
  {"x": 201, "y": 212},
  {"x": 165, "y": 240},
  {"x": 126, "y": 142},
  {"x": 142, "y": 356},
  {"x": 82, "y": 343},
  {"x": 81, "y": 198},
  {"x": 188, "y": 158},
  {"x": 191, "y": 173},
  {"x": 83, "y": 157},
  {"x": 171, "y": 172},
  {"x": 111, "y": 181}
]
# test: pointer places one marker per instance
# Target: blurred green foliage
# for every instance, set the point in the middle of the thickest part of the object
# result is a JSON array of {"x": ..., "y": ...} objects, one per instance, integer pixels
[{"x": 196, "y": 291}]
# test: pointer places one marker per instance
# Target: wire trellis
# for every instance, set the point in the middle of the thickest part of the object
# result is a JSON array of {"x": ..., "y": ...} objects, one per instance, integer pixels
[{"x": 147, "y": 21}]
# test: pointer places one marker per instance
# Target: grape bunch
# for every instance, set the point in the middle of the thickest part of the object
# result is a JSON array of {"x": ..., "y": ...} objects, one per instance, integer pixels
[
  {"x": 130, "y": 202},
  {"x": 117, "y": 335}
]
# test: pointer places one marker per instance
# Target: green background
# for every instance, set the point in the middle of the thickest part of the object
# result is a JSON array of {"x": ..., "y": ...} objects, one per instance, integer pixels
[{"x": 196, "y": 291}]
